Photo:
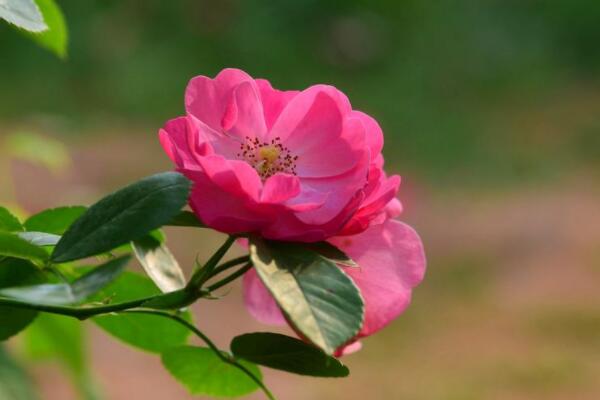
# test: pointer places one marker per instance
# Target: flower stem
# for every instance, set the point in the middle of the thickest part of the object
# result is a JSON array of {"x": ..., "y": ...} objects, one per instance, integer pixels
[
  {"x": 80, "y": 313},
  {"x": 223, "y": 356},
  {"x": 230, "y": 264},
  {"x": 202, "y": 274},
  {"x": 229, "y": 278}
]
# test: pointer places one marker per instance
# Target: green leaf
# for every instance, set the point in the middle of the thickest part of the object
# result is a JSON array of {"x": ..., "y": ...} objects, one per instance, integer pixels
[
  {"x": 56, "y": 37},
  {"x": 98, "y": 278},
  {"x": 44, "y": 294},
  {"x": 148, "y": 332},
  {"x": 332, "y": 253},
  {"x": 55, "y": 337},
  {"x": 202, "y": 372},
  {"x": 186, "y": 219},
  {"x": 23, "y": 13},
  {"x": 8, "y": 222},
  {"x": 14, "y": 382},
  {"x": 287, "y": 354},
  {"x": 172, "y": 300},
  {"x": 123, "y": 216},
  {"x": 26, "y": 146},
  {"x": 39, "y": 238},
  {"x": 56, "y": 220},
  {"x": 15, "y": 272},
  {"x": 13, "y": 246},
  {"x": 320, "y": 300},
  {"x": 63, "y": 293},
  {"x": 159, "y": 264}
]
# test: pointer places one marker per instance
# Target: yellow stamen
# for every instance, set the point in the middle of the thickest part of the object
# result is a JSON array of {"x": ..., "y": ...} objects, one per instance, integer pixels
[{"x": 269, "y": 153}]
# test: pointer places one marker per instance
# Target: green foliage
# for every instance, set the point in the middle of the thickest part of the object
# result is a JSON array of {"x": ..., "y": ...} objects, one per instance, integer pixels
[
  {"x": 332, "y": 253},
  {"x": 55, "y": 337},
  {"x": 305, "y": 279},
  {"x": 68, "y": 293},
  {"x": 56, "y": 220},
  {"x": 186, "y": 219},
  {"x": 40, "y": 238},
  {"x": 14, "y": 272},
  {"x": 318, "y": 298},
  {"x": 160, "y": 265},
  {"x": 202, "y": 372},
  {"x": 123, "y": 216},
  {"x": 23, "y": 13},
  {"x": 14, "y": 382},
  {"x": 147, "y": 332},
  {"x": 56, "y": 37},
  {"x": 13, "y": 246},
  {"x": 287, "y": 354},
  {"x": 8, "y": 222}
]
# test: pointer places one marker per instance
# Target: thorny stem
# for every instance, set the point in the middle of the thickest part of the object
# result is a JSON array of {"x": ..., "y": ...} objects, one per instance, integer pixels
[
  {"x": 80, "y": 313},
  {"x": 230, "y": 264},
  {"x": 230, "y": 278},
  {"x": 83, "y": 313},
  {"x": 223, "y": 356},
  {"x": 202, "y": 274}
]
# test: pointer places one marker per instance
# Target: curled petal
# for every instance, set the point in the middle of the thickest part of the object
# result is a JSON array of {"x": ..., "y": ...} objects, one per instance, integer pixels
[
  {"x": 273, "y": 100},
  {"x": 207, "y": 99},
  {"x": 391, "y": 262}
]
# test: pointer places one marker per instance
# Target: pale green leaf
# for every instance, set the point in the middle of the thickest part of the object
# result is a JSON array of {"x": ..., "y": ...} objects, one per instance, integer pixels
[{"x": 23, "y": 13}]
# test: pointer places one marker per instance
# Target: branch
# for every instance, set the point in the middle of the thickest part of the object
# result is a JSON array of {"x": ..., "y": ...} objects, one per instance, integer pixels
[
  {"x": 224, "y": 357},
  {"x": 79, "y": 313}
]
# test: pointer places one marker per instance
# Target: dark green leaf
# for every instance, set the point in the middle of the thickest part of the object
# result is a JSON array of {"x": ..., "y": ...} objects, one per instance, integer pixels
[
  {"x": 13, "y": 246},
  {"x": 202, "y": 372},
  {"x": 98, "y": 278},
  {"x": 287, "y": 354},
  {"x": 56, "y": 220},
  {"x": 186, "y": 218},
  {"x": 14, "y": 382},
  {"x": 56, "y": 37},
  {"x": 332, "y": 253},
  {"x": 63, "y": 293},
  {"x": 123, "y": 216},
  {"x": 40, "y": 238},
  {"x": 24, "y": 14},
  {"x": 148, "y": 332},
  {"x": 15, "y": 272},
  {"x": 173, "y": 300},
  {"x": 8, "y": 222},
  {"x": 159, "y": 264},
  {"x": 319, "y": 299}
]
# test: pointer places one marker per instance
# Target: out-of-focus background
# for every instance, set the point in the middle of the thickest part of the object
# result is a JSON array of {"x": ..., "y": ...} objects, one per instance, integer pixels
[{"x": 491, "y": 111}]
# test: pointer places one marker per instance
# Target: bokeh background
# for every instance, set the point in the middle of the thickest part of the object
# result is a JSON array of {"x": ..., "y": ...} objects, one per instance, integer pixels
[{"x": 491, "y": 111}]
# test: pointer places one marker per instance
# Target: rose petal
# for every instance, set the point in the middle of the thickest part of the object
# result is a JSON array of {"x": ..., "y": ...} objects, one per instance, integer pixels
[
  {"x": 391, "y": 262},
  {"x": 259, "y": 301}
]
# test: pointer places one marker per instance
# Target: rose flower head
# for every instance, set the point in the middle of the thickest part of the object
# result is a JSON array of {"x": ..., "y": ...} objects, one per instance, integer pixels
[{"x": 298, "y": 166}]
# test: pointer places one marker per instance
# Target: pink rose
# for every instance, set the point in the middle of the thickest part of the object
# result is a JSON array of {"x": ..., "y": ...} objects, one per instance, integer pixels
[{"x": 297, "y": 166}]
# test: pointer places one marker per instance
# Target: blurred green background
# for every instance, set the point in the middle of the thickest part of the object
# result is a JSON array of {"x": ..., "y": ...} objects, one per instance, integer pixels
[{"x": 491, "y": 111}]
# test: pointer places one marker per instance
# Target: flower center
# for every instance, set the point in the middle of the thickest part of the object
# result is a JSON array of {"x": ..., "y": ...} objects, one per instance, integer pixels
[{"x": 268, "y": 158}]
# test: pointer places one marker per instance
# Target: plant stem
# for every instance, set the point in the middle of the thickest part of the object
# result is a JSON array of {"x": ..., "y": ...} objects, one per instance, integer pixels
[
  {"x": 223, "y": 356},
  {"x": 88, "y": 312},
  {"x": 230, "y": 264},
  {"x": 202, "y": 274},
  {"x": 79, "y": 313},
  {"x": 229, "y": 278}
]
